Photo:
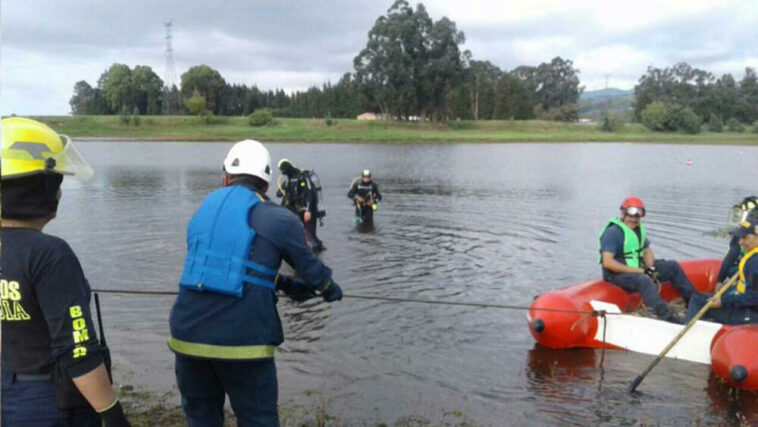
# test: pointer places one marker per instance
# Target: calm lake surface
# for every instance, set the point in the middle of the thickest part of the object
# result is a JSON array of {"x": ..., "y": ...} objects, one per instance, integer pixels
[{"x": 496, "y": 223}]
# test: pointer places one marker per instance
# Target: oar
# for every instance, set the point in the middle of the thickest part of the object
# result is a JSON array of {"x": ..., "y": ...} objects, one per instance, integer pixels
[{"x": 706, "y": 307}]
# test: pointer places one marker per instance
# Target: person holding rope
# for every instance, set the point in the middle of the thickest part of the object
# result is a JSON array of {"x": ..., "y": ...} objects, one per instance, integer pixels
[
  {"x": 54, "y": 370},
  {"x": 300, "y": 193},
  {"x": 224, "y": 323},
  {"x": 742, "y": 211},
  {"x": 740, "y": 306},
  {"x": 629, "y": 263}
]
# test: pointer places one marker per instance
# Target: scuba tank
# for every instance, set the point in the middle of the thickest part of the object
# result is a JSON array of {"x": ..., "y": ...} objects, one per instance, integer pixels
[{"x": 315, "y": 183}]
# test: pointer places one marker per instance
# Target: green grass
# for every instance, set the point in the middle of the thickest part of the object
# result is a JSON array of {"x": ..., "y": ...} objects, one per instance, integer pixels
[{"x": 186, "y": 128}]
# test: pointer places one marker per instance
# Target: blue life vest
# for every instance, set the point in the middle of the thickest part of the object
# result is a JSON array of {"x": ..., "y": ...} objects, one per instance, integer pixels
[{"x": 219, "y": 241}]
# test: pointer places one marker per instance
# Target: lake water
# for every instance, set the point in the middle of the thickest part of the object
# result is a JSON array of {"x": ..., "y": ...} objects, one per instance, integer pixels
[{"x": 496, "y": 223}]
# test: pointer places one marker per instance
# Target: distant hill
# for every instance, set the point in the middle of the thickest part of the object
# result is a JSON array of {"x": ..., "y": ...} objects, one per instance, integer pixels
[
  {"x": 618, "y": 101},
  {"x": 611, "y": 92}
]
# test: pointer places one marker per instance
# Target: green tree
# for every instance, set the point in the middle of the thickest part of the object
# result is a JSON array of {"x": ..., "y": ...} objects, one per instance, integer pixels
[
  {"x": 261, "y": 117},
  {"x": 687, "y": 121},
  {"x": 388, "y": 69},
  {"x": 679, "y": 85},
  {"x": 444, "y": 69},
  {"x": 557, "y": 83},
  {"x": 655, "y": 116},
  {"x": 196, "y": 105},
  {"x": 514, "y": 101},
  {"x": 747, "y": 110},
  {"x": 117, "y": 87},
  {"x": 135, "y": 116},
  {"x": 715, "y": 124},
  {"x": 734, "y": 125},
  {"x": 207, "y": 82},
  {"x": 84, "y": 99},
  {"x": 148, "y": 90},
  {"x": 482, "y": 79},
  {"x": 410, "y": 64}
]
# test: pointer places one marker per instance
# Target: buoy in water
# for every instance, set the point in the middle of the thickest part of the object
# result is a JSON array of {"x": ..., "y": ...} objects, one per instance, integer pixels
[{"x": 689, "y": 162}]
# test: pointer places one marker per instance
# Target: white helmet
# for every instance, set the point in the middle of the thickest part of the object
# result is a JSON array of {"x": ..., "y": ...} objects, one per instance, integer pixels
[{"x": 249, "y": 157}]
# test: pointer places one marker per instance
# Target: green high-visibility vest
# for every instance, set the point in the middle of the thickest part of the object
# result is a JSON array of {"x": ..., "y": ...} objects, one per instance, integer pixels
[{"x": 633, "y": 246}]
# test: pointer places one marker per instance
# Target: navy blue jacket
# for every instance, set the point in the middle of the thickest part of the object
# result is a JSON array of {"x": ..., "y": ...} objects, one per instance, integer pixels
[
  {"x": 731, "y": 261},
  {"x": 750, "y": 298},
  {"x": 227, "y": 321}
]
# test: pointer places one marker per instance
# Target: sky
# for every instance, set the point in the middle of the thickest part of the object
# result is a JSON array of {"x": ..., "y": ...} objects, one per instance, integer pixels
[{"x": 48, "y": 45}]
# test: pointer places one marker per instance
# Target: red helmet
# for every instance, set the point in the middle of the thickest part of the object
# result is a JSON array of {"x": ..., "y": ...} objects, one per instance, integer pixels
[{"x": 633, "y": 205}]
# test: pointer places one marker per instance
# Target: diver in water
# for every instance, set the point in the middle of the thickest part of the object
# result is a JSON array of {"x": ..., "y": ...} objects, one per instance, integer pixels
[
  {"x": 300, "y": 191},
  {"x": 365, "y": 193}
]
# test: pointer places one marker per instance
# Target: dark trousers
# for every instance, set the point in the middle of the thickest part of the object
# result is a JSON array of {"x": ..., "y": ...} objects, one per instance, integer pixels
[
  {"x": 725, "y": 315},
  {"x": 32, "y": 403},
  {"x": 667, "y": 271},
  {"x": 364, "y": 212},
  {"x": 310, "y": 227},
  {"x": 250, "y": 385}
]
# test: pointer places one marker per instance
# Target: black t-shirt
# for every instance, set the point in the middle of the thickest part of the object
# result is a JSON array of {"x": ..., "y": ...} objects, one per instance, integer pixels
[{"x": 45, "y": 306}]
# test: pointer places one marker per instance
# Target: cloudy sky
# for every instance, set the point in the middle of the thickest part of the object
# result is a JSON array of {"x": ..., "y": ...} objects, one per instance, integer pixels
[{"x": 48, "y": 45}]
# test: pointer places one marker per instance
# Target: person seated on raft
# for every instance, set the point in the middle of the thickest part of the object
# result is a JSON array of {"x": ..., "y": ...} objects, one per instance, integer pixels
[
  {"x": 629, "y": 263},
  {"x": 741, "y": 306},
  {"x": 745, "y": 210}
]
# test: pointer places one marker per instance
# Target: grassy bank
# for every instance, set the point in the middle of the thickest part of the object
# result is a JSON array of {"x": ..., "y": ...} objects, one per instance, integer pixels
[{"x": 185, "y": 128}]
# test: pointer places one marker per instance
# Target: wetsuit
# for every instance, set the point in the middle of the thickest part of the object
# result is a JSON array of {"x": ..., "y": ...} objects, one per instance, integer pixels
[
  {"x": 365, "y": 191},
  {"x": 300, "y": 196}
]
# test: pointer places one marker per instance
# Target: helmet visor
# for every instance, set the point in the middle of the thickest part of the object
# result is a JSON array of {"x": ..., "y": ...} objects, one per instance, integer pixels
[
  {"x": 635, "y": 211},
  {"x": 70, "y": 161},
  {"x": 738, "y": 216}
]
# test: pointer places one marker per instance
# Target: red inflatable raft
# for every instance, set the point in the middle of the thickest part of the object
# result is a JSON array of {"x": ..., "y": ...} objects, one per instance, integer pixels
[{"x": 560, "y": 319}]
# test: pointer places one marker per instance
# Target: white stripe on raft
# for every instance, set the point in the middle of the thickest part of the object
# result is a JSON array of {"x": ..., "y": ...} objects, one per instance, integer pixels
[{"x": 651, "y": 336}]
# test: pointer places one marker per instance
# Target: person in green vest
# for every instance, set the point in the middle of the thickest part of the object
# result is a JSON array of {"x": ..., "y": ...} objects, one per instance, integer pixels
[{"x": 629, "y": 263}]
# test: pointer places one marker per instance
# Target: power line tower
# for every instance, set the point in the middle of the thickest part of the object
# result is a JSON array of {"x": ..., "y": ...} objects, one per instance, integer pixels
[{"x": 169, "y": 75}]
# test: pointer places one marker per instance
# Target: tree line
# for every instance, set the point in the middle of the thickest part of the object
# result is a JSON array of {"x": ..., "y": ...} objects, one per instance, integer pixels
[
  {"x": 682, "y": 97},
  {"x": 411, "y": 68}
]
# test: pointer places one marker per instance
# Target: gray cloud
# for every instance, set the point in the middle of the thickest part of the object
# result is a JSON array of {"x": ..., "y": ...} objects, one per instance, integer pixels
[{"x": 49, "y": 45}]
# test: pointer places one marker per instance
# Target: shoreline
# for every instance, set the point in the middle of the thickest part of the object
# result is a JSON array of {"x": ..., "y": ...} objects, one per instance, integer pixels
[{"x": 349, "y": 131}]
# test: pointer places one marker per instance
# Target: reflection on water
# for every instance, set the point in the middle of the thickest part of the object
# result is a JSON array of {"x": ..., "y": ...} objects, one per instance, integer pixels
[{"x": 475, "y": 223}]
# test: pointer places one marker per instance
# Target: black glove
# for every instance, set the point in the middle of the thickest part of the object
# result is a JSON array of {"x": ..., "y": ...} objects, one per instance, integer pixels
[
  {"x": 652, "y": 273},
  {"x": 297, "y": 291},
  {"x": 331, "y": 292},
  {"x": 114, "y": 416}
]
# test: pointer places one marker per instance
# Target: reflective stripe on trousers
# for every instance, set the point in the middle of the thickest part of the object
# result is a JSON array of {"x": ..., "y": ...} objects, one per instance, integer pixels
[{"x": 242, "y": 352}]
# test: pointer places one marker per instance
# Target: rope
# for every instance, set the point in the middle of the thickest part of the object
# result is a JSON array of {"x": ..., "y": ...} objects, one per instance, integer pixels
[
  {"x": 602, "y": 353},
  {"x": 126, "y": 292},
  {"x": 593, "y": 313}
]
